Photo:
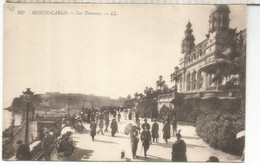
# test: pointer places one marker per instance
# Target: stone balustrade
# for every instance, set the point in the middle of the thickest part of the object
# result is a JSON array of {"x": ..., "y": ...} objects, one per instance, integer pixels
[{"x": 211, "y": 92}]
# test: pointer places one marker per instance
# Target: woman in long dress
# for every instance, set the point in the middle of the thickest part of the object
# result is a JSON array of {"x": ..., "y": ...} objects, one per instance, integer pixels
[
  {"x": 114, "y": 127},
  {"x": 146, "y": 140},
  {"x": 166, "y": 131},
  {"x": 155, "y": 129},
  {"x": 93, "y": 129},
  {"x": 179, "y": 150}
]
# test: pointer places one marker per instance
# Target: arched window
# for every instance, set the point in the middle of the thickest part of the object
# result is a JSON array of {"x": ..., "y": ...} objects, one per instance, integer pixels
[
  {"x": 180, "y": 81},
  {"x": 193, "y": 80},
  {"x": 188, "y": 82},
  {"x": 199, "y": 80}
]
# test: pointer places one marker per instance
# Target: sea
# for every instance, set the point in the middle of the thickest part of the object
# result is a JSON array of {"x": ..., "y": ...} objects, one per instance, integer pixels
[{"x": 7, "y": 119}]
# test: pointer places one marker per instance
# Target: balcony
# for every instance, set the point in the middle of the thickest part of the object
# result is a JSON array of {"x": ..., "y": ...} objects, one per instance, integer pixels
[{"x": 165, "y": 98}]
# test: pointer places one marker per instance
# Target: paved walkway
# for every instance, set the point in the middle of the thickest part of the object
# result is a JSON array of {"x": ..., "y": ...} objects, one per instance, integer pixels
[{"x": 108, "y": 148}]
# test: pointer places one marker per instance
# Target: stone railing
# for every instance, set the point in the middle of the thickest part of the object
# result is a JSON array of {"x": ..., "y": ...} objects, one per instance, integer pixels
[
  {"x": 218, "y": 94},
  {"x": 213, "y": 91},
  {"x": 165, "y": 97}
]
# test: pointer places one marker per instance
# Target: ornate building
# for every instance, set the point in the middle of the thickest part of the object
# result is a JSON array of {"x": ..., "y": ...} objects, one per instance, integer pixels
[{"x": 196, "y": 59}]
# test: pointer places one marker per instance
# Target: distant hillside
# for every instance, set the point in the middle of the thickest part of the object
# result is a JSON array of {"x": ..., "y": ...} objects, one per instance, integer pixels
[{"x": 58, "y": 100}]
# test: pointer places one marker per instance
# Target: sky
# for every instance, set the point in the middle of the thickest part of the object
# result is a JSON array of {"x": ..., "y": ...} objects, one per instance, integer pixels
[{"x": 102, "y": 55}]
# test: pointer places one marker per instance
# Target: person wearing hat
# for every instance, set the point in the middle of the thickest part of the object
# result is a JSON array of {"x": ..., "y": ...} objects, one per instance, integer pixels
[
  {"x": 166, "y": 131},
  {"x": 146, "y": 125},
  {"x": 106, "y": 121},
  {"x": 134, "y": 140},
  {"x": 174, "y": 126},
  {"x": 93, "y": 129},
  {"x": 213, "y": 159},
  {"x": 179, "y": 150},
  {"x": 23, "y": 151},
  {"x": 114, "y": 127},
  {"x": 155, "y": 130},
  {"x": 47, "y": 145},
  {"x": 146, "y": 140}
]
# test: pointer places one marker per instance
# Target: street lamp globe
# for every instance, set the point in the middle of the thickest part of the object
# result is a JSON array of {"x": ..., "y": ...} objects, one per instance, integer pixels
[{"x": 28, "y": 94}]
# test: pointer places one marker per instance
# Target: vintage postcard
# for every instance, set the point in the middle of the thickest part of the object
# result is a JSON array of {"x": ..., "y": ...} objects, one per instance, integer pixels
[{"x": 110, "y": 82}]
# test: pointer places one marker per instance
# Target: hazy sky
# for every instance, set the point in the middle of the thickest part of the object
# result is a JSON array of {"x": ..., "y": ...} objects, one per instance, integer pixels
[{"x": 102, "y": 55}]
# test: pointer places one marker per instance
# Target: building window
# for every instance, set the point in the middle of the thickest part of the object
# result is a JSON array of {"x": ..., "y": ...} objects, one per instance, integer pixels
[
  {"x": 194, "y": 81},
  {"x": 188, "y": 82},
  {"x": 200, "y": 80}
]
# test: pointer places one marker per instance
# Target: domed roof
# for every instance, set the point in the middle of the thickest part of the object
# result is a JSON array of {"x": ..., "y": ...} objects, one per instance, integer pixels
[{"x": 220, "y": 8}]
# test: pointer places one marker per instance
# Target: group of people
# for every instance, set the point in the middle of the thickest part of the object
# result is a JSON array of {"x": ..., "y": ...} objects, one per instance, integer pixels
[
  {"x": 104, "y": 118},
  {"x": 147, "y": 137}
]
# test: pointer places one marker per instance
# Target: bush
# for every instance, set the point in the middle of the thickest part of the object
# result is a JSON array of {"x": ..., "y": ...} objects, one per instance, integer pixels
[{"x": 219, "y": 131}]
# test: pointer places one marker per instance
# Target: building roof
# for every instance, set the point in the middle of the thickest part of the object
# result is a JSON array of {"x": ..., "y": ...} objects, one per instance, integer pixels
[{"x": 220, "y": 8}]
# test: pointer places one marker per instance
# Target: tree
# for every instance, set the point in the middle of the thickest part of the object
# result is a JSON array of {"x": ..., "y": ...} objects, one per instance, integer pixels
[
  {"x": 160, "y": 83},
  {"x": 175, "y": 77},
  {"x": 129, "y": 97},
  {"x": 136, "y": 96}
]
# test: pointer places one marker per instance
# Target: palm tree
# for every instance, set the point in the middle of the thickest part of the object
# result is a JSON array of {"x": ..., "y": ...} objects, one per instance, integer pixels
[
  {"x": 160, "y": 83},
  {"x": 175, "y": 77}
]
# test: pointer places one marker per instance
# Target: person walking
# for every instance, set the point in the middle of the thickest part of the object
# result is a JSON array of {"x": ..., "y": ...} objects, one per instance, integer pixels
[
  {"x": 114, "y": 127},
  {"x": 106, "y": 122},
  {"x": 137, "y": 116},
  {"x": 166, "y": 131},
  {"x": 146, "y": 140},
  {"x": 146, "y": 125},
  {"x": 155, "y": 131},
  {"x": 125, "y": 114},
  {"x": 100, "y": 125},
  {"x": 118, "y": 117},
  {"x": 133, "y": 115},
  {"x": 23, "y": 151},
  {"x": 138, "y": 125},
  {"x": 174, "y": 126},
  {"x": 93, "y": 129},
  {"x": 48, "y": 145},
  {"x": 179, "y": 150},
  {"x": 134, "y": 140},
  {"x": 130, "y": 115}
]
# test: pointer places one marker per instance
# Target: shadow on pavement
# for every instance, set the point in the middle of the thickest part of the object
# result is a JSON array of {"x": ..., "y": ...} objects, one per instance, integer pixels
[
  {"x": 80, "y": 154},
  {"x": 166, "y": 145},
  {"x": 190, "y": 137},
  {"x": 193, "y": 145},
  {"x": 102, "y": 141},
  {"x": 117, "y": 136},
  {"x": 151, "y": 158},
  {"x": 128, "y": 159}
]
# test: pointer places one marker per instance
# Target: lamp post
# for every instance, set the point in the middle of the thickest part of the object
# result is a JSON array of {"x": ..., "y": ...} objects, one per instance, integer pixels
[
  {"x": 83, "y": 106},
  {"x": 28, "y": 94},
  {"x": 69, "y": 100}
]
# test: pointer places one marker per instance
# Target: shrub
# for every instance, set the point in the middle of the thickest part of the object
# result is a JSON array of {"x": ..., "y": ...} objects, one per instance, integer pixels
[{"x": 219, "y": 131}]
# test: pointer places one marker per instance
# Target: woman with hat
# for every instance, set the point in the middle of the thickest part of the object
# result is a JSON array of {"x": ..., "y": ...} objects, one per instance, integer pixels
[
  {"x": 146, "y": 139},
  {"x": 114, "y": 127},
  {"x": 179, "y": 150},
  {"x": 166, "y": 131},
  {"x": 146, "y": 125},
  {"x": 93, "y": 129}
]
